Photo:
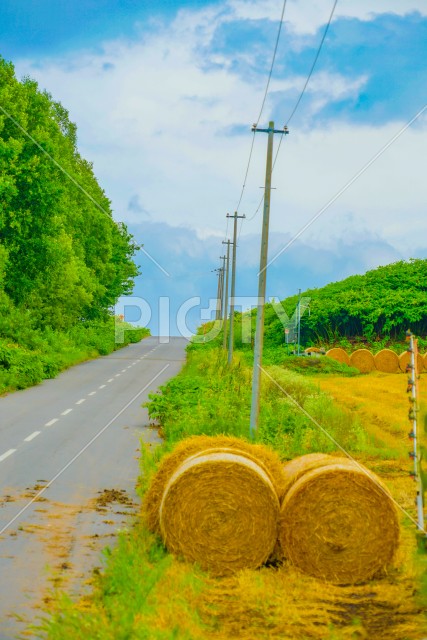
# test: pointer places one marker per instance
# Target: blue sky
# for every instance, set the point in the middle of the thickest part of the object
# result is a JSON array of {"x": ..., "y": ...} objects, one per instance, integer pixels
[{"x": 164, "y": 95}]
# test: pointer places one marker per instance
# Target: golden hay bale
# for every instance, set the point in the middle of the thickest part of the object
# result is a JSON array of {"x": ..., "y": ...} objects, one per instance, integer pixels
[
  {"x": 193, "y": 445},
  {"x": 405, "y": 359},
  {"x": 312, "y": 350},
  {"x": 338, "y": 523},
  {"x": 387, "y": 361},
  {"x": 338, "y": 354},
  {"x": 363, "y": 360},
  {"x": 293, "y": 470},
  {"x": 220, "y": 510}
]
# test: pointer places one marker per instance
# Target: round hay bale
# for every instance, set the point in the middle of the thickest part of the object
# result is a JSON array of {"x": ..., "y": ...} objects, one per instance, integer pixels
[
  {"x": 387, "y": 361},
  {"x": 312, "y": 350},
  {"x": 293, "y": 470},
  {"x": 193, "y": 445},
  {"x": 339, "y": 524},
  {"x": 405, "y": 359},
  {"x": 363, "y": 360},
  {"x": 220, "y": 510},
  {"x": 338, "y": 354}
]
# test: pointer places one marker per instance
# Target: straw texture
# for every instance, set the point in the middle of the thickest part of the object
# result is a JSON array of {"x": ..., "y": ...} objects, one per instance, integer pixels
[
  {"x": 264, "y": 456},
  {"x": 220, "y": 510},
  {"x": 339, "y": 524},
  {"x": 387, "y": 361},
  {"x": 293, "y": 470},
  {"x": 338, "y": 354},
  {"x": 405, "y": 359},
  {"x": 363, "y": 360},
  {"x": 312, "y": 350}
]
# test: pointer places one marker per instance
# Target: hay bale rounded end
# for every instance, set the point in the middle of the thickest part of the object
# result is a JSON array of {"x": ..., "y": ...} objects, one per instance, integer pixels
[
  {"x": 405, "y": 359},
  {"x": 339, "y": 524},
  {"x": 338, "y": 354},
  {"x": 294, "y": 469},
  {"x": 363, "y": 360},
  {"x": 387, "y": 361},
  {"x": 265, "y": 456},
  {"x": 220, "y": 510}
]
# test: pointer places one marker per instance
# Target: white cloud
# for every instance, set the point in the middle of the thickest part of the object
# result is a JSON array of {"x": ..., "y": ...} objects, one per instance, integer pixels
[
  {"x": 306, "y": 16},
  {"x": 153, "y": 122}
]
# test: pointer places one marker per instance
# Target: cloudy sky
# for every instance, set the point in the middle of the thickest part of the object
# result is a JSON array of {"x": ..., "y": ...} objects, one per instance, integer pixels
[{"x": 164, "y": 94}]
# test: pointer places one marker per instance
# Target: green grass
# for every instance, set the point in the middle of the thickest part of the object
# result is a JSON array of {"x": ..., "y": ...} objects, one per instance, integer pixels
[{"x": 34, "y": 355}]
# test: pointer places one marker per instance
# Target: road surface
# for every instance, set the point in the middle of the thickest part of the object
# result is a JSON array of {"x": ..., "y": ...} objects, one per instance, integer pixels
[{"x": 68, "y": 467}]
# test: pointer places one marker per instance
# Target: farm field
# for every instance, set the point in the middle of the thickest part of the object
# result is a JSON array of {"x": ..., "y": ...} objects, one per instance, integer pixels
[{"x": 146, "y": 593}]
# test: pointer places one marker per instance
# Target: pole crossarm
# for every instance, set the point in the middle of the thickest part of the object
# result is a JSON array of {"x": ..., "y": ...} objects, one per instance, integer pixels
[{"x": 284, "y": 131}]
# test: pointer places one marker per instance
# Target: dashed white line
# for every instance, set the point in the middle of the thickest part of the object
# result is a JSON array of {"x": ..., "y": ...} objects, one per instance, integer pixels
[
  {"x": 123, "y": 370},
  {"x": 92, "y": 393},
  {"x": 117, "y": 375},
  {"x": 129, "y": 366},
  {"x": 134, "y": 362},
  {"x": 81, "y": 401},
  {"x": 110, "y": 380},
  {"x": 66, "y": 412},
  {"x": 32, "y": 436},
  {"x": 51, "y": 422},
  {"x": 102, "y": 386},
  {"x": 7, "y": 454}
]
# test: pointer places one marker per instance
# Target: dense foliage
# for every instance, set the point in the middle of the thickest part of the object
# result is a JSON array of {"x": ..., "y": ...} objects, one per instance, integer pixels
[
  {"x": 64, "y": 261},
  {"x": 380, "y": 305}
]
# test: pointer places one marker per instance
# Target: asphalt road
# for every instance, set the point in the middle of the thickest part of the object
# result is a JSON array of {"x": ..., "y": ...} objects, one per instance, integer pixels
[{"x": 68, "y": 467}]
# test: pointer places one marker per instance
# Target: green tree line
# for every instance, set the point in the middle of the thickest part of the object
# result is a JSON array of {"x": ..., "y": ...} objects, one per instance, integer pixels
[{"x": 64, "y": 261}]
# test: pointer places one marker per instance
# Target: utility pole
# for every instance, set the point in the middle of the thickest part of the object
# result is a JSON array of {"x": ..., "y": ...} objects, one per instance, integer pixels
[
  {"x": 262, "y": 278},
  {"x": 233, "y": 287},
  {"x": 227, "y": 242},
  {"x": 299, "y": 319},
  {"x": 218, "y": 295},
  {"x": 221, "y": 292}
]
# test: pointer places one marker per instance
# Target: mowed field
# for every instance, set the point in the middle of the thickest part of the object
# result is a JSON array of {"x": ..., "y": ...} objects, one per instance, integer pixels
[{"x": 168, "y": 598}]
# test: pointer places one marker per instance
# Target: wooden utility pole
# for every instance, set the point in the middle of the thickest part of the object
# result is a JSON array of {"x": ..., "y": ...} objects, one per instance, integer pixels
[
  {"x": 412, "y": 369},
  {"x": 227, "y": 271},
  {"x": 221, "y": 288},
  {"x": 233, "y": 287},
  {"x": 262, "y": 279},
  {"x": 218, "y": 295}
]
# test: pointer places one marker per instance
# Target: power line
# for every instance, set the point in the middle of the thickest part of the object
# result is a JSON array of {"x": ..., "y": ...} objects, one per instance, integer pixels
[
  {"x": 314, "y": 64},
  {"x": 263, "y": 102},
  {"x": 301, "y": 95}
]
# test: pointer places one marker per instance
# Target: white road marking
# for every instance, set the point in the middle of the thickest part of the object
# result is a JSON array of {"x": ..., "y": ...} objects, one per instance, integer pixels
[
  {"x": 7, "y": 454},
  {"x": 123, "y": 370},
  {"x": 117, "y": 375},
  {"x": 110, "y": 380},
  {"x": 102, "y": 386},
  {"x": 32, "y": 436},
  {"x": 81, "y": 401},
  {"x": 134, "y": 362},
  {"x": 92, "y": 393},
  {"x": 66, "y": 412},
  {"x": 129, "y": 366},
  {"x": 51, "y": 422}
]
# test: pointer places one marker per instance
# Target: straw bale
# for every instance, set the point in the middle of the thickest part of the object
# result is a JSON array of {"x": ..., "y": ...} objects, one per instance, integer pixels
[
  {"x": 405, "y": 359},
  {"x": 312, "y": 350},
  {"x": 387, "y": 361},
  {"x": 338, "y": 354},
  {"x": 293, "y": 470},
  {"x": 193, "y": 445},
  {"x": 339, "y": 524},
  {"x": 363, "y": 360},
  {"x": 220, "y": 510}
]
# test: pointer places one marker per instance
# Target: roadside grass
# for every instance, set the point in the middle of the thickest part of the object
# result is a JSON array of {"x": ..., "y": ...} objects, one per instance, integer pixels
[
  {"x": 144, "y": 592},
  {"x": 35, "y": 355}
]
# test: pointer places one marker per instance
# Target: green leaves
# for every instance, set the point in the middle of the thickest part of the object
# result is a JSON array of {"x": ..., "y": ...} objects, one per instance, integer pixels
[{"x": 67, "y": 258}]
